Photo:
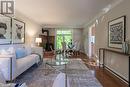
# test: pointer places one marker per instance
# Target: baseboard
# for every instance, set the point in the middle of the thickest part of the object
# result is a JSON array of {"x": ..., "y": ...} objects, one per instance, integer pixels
[{"x": 117, "y": 75}]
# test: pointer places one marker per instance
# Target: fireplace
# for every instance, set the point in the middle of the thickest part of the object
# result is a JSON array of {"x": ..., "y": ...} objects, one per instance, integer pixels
[{"x": 48, "y": 41}]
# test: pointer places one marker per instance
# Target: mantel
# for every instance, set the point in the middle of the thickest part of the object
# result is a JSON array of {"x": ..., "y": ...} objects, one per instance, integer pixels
[{"x": 118, "y": 52}]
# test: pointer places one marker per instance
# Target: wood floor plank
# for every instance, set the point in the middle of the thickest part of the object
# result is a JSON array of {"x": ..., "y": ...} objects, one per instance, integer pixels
[{"x": 105, "y": 77}]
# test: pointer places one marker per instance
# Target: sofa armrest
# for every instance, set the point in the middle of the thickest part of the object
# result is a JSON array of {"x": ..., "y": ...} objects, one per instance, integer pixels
[
  {"x": 37, "y": 50},
  {"x": 8, "y": 66}
]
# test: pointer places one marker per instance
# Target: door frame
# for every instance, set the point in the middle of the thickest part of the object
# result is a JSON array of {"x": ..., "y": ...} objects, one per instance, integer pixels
[{"x": 91, "y": 41}]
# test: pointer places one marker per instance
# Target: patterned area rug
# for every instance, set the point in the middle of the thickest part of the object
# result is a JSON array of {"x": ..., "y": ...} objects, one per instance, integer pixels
[{"x": 79, "y": 75}]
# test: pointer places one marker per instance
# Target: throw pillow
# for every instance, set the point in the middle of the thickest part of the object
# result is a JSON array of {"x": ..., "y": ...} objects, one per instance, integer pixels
[
  {"x": 20, "y": 53},
  {"x": 11, "y": 50},
  {"x": 8, "y": 51}
]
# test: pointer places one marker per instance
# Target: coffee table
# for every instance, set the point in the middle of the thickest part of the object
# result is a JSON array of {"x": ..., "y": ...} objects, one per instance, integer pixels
[{"x": 57, "y": 64}]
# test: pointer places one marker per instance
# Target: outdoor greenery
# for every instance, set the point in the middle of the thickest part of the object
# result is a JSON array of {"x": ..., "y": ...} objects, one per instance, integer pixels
[{"x": 63, "y": 36}]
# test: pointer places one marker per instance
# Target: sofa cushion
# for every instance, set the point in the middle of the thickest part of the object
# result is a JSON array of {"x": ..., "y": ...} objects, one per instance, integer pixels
[
  {"x": 20, "y": 53},
  {"x": 24, "y": 63},
  {"x": 7, "y": 51},
  {"x": 2, "y": 79},
  {"x": 28, "y": 49}
]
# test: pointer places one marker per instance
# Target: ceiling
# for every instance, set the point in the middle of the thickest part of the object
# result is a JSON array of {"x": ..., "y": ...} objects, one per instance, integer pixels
[{"x": 61, "y": 12}]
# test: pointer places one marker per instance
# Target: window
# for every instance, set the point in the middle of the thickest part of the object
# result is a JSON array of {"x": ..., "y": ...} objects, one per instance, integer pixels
[{"x": 63, "y": 36}]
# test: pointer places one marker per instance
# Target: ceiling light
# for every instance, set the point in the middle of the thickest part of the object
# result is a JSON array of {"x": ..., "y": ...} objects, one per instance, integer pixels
[
  {"x": 97, "y": 21},
  {"x": 107, "y": 8}
]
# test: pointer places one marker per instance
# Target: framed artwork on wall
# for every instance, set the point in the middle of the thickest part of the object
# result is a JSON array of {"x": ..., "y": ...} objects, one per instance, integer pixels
[
  {"x": 116, "y": 33},
  {"x": 18, "y": 31},
  {"x": 5, "y": 29}
]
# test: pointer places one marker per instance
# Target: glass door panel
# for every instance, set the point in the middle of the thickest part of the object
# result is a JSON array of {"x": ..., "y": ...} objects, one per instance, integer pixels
[{"x": 63, "y": 36}]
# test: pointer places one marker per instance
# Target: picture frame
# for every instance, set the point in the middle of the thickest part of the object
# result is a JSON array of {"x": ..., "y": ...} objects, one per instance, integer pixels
[
  {"x": 5, "y": 30},
  {"x": 18, "y": 31},
  {"x": 116, "y": 32}
]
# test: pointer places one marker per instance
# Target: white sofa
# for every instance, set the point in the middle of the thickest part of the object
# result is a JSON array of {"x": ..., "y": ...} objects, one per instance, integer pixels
[{"x": 18, "y": 65}]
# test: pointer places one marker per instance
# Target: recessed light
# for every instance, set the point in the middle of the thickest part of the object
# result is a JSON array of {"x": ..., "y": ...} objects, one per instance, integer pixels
[
  {"x": 107, "y": 8},
  {"x": 97, "y": 21}
]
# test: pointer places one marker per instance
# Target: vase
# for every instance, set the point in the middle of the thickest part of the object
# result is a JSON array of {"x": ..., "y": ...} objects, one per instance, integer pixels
[{"x": 125, "y": 47}]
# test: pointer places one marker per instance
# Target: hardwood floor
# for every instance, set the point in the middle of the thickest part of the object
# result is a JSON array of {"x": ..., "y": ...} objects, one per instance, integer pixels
[{"x": 105, "y": 77}]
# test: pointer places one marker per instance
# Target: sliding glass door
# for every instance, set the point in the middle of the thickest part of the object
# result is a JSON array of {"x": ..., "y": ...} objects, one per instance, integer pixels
[{"x": 63, "y": 36}]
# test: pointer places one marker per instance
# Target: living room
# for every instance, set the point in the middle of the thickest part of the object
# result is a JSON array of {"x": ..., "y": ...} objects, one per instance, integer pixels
[{"x": 64, "y": 43}]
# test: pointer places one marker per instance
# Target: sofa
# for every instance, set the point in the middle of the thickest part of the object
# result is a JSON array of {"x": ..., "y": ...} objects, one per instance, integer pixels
[
  {"x": 19, "y": 65},
  {"x": 3, "y": 82}
]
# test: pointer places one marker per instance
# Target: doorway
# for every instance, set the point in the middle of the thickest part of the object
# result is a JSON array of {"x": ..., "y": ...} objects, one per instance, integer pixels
[
  {"x": 63, "y": 35},
  {"x": 92, "y": 41}
]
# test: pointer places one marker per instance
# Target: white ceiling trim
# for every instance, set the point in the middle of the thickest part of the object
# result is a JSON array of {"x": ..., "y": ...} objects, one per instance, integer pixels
[{"x": 103, "y": 12}]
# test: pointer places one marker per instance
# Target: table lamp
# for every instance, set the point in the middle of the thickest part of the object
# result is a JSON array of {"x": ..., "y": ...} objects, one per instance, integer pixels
[{"x": 38, "y": 40}]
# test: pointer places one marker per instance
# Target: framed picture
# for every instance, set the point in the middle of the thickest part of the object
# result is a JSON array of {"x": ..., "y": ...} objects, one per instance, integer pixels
[
  {"x": 116, "y": 33},
  {"x": 5, "y": 29},
  {"x": 18, "y": 31}
]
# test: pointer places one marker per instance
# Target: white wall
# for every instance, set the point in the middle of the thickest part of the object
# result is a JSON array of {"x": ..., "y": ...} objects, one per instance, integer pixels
[
  {"x": 51, "y": 31},
  {"x": 101, "y": 35},
  {"x": 86, "y": 40},
  {"x": 32, "y": 29},
  {"x": 102, "y": 27},
  {"x": 77, "y": 35}
]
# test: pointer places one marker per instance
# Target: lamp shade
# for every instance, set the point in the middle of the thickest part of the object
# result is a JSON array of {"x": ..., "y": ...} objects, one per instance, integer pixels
[{"x": 38, "y": 40}]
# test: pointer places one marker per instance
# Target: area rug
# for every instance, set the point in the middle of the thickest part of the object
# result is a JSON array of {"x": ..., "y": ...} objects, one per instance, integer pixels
[{"x": 77, "y": 72}]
